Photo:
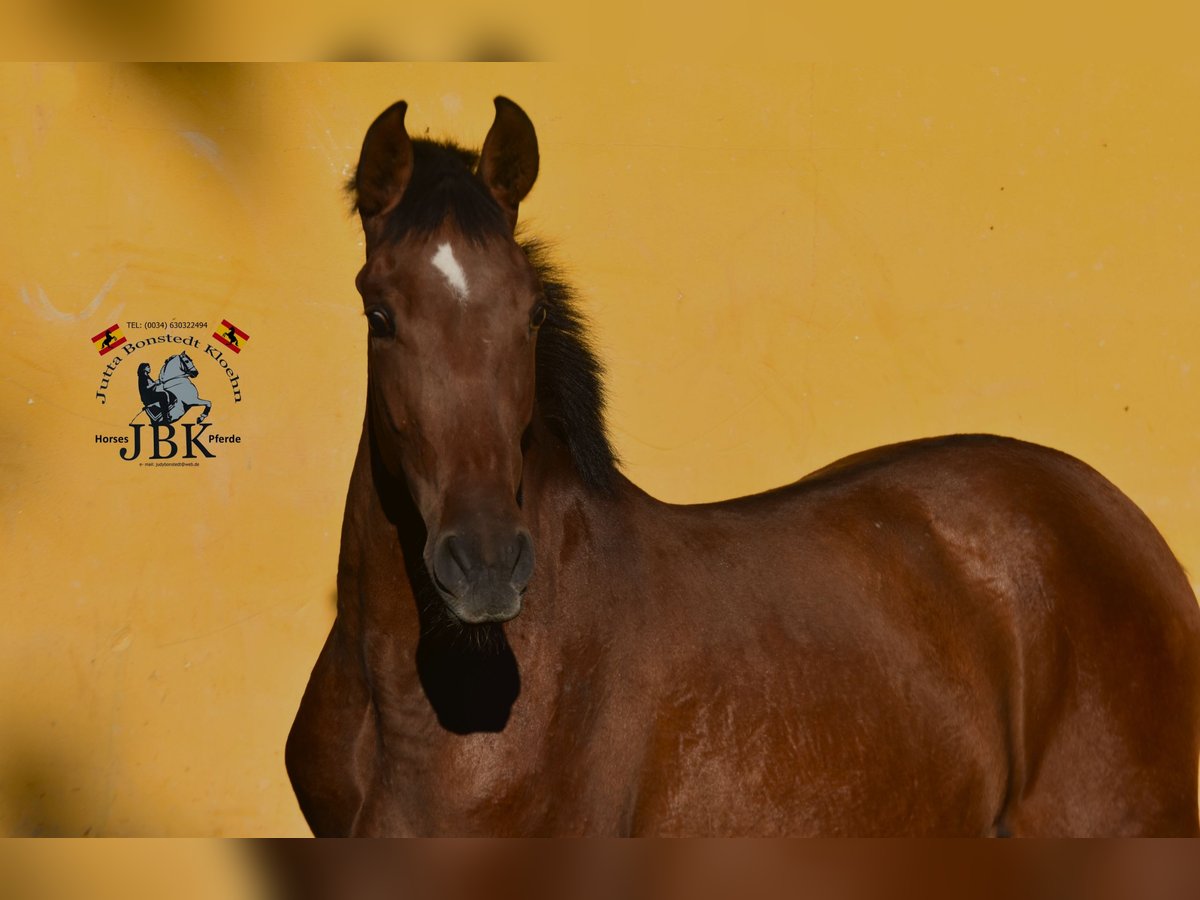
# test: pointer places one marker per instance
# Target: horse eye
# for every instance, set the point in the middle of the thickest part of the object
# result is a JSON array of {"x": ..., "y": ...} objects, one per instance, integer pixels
[
  {"x": 379, "y": 322},
  {"x": 538, "y": 316}
]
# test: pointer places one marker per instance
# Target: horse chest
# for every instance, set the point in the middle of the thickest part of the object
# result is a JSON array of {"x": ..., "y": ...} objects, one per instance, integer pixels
[{"x": 514, "y": 782}]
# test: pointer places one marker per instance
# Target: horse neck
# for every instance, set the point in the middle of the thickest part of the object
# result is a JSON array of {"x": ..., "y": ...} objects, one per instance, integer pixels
[
  {"x": 556, "y": 495},
  {"x": 584, "y": 539}
]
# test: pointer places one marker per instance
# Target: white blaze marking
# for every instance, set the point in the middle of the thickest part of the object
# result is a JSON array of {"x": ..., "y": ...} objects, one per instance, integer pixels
[{"x": 445, "y": 263}]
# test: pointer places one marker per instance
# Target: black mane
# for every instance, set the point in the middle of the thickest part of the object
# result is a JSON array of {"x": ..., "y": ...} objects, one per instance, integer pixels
[{"x": 570, "y": 377}]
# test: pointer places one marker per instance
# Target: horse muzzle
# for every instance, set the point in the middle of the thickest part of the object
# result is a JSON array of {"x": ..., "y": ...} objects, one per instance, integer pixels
[{"x": 482, "y": 578}]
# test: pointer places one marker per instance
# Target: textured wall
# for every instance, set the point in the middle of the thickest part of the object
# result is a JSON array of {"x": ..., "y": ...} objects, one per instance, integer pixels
[{"x": 784, "y": 265}]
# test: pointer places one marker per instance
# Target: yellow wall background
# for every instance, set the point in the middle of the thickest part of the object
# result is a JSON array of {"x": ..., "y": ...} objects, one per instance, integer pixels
[
  {"x": 128, "y": 869},
  {"x": 784, "y": 264}
]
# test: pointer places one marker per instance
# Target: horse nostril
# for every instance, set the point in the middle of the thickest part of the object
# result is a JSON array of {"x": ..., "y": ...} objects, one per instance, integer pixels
[
  {"x": 463, "y": 565},
  {"x": 522, "y": 569},
  {"x": 451, "y": 564}
]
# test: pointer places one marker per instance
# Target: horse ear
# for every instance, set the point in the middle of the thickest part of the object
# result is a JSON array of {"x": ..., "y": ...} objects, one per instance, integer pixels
[
  {"x": 384, "y": 166},
  {"x": 508, "y": 163}
]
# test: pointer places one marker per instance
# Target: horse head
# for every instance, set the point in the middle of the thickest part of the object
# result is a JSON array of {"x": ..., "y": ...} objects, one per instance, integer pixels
[
  {"x": 178, "y": 365},
  {"x": 453, "y": 307}
]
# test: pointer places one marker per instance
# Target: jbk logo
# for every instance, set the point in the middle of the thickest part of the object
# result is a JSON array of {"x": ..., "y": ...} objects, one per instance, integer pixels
[
  {"x": 166, "y": 442},
  {"x": 165, "y": 401}
]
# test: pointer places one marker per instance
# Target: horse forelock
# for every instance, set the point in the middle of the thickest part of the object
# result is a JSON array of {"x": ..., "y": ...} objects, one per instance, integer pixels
[{"x": 443, "y": 186}]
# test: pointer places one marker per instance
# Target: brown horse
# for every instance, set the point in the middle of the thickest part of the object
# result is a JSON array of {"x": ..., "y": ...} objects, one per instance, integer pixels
[{"x": 965, "y": 635}]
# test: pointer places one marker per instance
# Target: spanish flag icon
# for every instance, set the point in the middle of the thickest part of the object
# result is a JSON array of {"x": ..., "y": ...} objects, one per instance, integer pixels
[
  {"x": 231, "y": 336},
  {"x": 109, "y": 339}
]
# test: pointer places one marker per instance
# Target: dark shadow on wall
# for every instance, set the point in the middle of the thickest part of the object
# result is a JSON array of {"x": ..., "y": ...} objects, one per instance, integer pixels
[
  {"x": 190, "y": 29},
  {"x": 49, "y": 790},
  {"x": 219, "y": 80},
  {"x": 479, "y": 45},
  {"x": 208, "y": 98},
  {"x": 110, "y": 18}
]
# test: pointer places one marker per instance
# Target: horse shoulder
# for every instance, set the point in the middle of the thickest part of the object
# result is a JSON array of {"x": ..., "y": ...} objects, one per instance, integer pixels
[
  {"x": 327, "y": 748},
  {"x": 330, "y": 750}
]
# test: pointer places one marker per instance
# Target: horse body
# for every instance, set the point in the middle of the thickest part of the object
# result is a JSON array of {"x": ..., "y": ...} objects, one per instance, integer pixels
[
  {"x": 899, "y": 644},
  {"x": 957, "y": 636}
]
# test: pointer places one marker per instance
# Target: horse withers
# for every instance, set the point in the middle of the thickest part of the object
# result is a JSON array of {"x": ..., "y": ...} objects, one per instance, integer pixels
[{"x": 965, "y": 635}]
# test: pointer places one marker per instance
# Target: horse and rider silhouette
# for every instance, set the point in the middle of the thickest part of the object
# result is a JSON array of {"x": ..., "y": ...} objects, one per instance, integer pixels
[{"x": 173, "y": 394}]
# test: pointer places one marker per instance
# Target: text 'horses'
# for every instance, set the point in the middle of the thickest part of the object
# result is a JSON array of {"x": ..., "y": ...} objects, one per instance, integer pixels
[{"x": 964, "y": 636}]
